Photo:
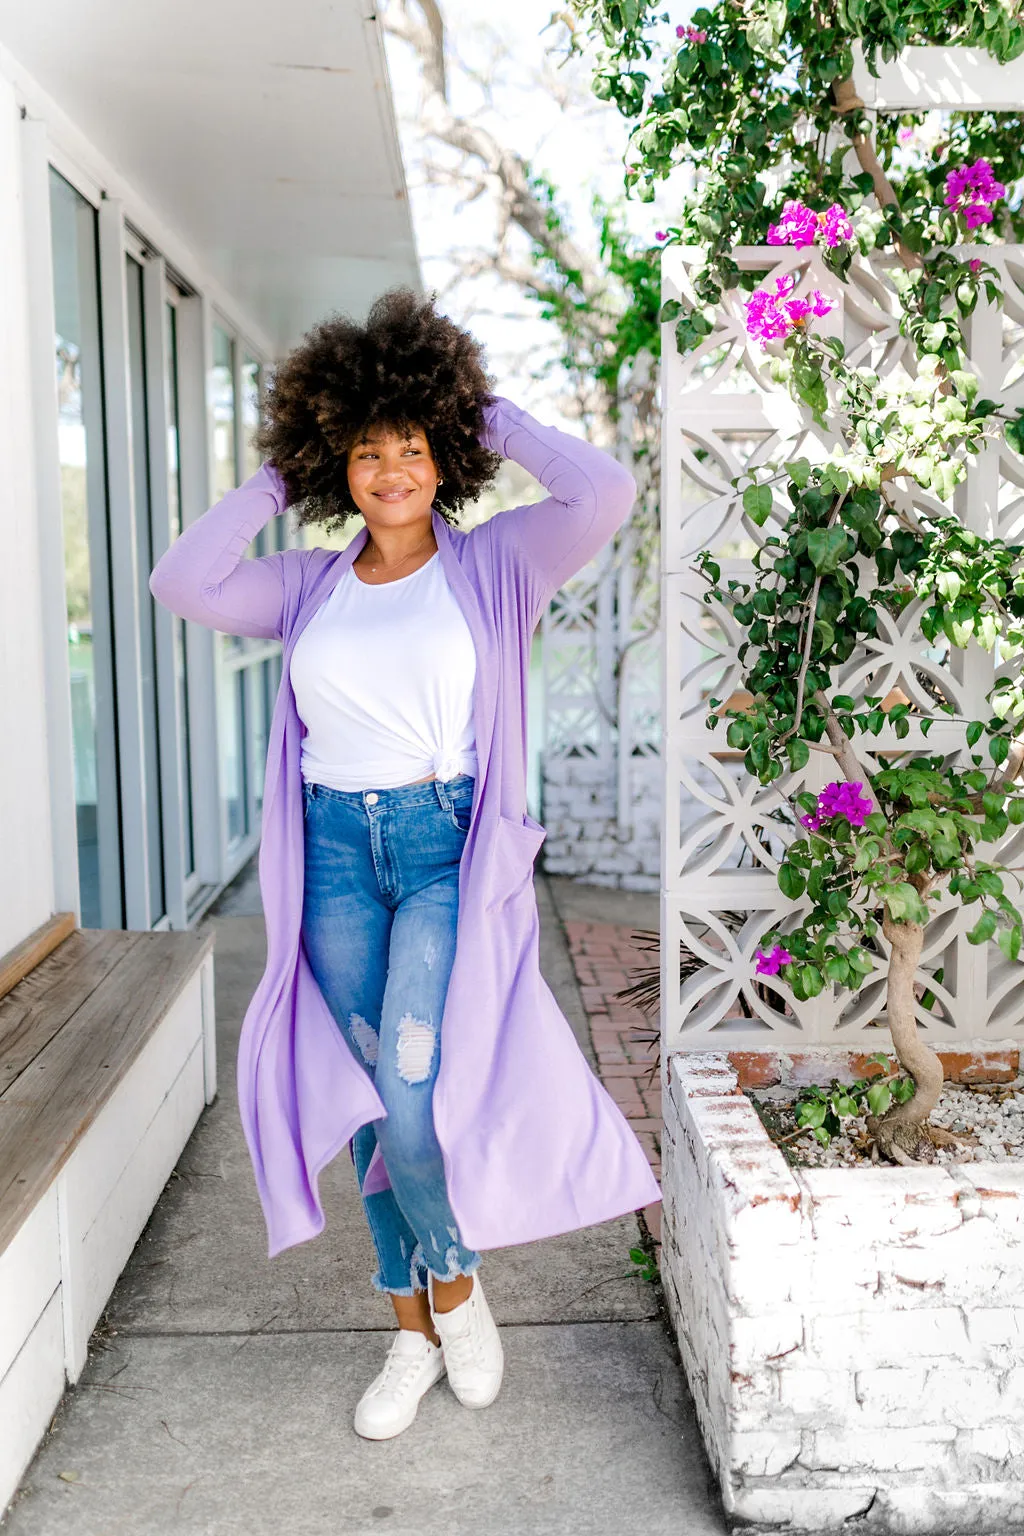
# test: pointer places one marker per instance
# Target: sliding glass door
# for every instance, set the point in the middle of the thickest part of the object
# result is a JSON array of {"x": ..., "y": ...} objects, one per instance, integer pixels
[
  {"x": 84, "y": 509},
  {"x": 172, "y": 393},
  {"x": 144, "y": 544},
  {"x": 169, "y": 722}
]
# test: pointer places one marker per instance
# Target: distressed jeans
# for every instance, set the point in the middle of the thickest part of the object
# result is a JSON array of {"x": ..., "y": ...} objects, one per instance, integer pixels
[{"x": 379, "y": 911}]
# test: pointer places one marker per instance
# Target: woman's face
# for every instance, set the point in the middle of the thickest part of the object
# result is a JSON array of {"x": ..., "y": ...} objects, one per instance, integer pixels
[{"x": 392, "y": 476}]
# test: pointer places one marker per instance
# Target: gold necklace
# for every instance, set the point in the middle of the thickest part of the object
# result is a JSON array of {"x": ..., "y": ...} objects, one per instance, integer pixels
[{"x": 394, "y": 566}]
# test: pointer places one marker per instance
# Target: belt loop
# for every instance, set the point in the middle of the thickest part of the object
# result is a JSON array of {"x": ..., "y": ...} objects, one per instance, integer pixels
[{"x": 443, "y": 797}]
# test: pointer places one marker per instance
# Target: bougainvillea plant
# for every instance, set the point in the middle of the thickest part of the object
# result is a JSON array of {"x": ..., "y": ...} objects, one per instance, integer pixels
[{"x": 759, "y": 96}]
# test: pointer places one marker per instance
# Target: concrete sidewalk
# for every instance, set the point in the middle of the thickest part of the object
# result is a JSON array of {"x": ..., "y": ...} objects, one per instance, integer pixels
[{"x": 220, "y": 1388}]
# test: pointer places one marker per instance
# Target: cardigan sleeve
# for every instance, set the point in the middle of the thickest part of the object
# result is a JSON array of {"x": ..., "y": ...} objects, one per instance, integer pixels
[
  {"x": 589, "y": 497},
  {"x": 204, "y": 576}
]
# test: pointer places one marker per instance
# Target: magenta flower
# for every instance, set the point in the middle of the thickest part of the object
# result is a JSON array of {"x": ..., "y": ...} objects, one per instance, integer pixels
[
  {"x": 772, "y": 963},
  {"x": 800, "y": 310},
  {"x": 659, "y": 234},
  {"x": 977, "y": 213},
  {"x": 766, "y": 319},
  {"x": 836, "y": 228},
  {"x": 772, "y": 316},
  {"x": 843, "y": 798},
  {"x": 692, "y": 34},
  {"x": 905, "y": 135},
  {"x": 801, "y": 226},
  {"x": 975, "y": 264},
  {"x": 798, "y": 226},
  {"x": 971, "y": 190}
]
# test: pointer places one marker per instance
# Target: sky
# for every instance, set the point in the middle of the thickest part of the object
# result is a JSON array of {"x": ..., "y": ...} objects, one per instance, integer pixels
[{"x": 579, "y": 147}]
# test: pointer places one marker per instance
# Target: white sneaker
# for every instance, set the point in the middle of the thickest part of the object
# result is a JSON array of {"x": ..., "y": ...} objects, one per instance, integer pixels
[
  {"x": 473, "y": 1355},
  {"x": 390, "y": 1402}
]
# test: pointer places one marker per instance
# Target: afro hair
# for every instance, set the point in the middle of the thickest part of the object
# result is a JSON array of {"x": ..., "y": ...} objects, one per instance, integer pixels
[{"x": 407, "y": 367}]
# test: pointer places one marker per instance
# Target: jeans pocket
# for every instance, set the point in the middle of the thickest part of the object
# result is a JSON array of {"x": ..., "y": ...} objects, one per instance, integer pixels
[
  {"x": 460, "y": 812},
  {"x": 458, "y": 804}
]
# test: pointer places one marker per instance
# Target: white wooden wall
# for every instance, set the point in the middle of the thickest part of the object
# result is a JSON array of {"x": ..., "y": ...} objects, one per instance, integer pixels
[{"x": 26, "y": 885}]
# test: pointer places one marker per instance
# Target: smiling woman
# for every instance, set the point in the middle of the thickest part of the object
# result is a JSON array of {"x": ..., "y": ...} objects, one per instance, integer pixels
[
  {"x": 393, "y": 480},
  {"x": 403, "y": 1011},
  {"x": 350, "y": 398}
]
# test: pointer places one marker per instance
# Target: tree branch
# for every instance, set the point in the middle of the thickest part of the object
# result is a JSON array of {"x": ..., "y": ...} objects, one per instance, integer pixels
[
  {"x": 851, "y": 765},
  {"x": 525, "y": 209},
  {"x": 847, "y": 100}
]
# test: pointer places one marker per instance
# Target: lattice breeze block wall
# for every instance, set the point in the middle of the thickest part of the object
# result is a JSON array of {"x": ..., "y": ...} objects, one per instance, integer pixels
[
  {"x": 723, "y": 833},
  {"x": 601, "y": 786}
]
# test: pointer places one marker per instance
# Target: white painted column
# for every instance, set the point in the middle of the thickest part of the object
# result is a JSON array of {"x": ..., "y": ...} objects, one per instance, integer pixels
[
  {"x": 45, "y": 448},
  {"x": 27, "y": 888}
]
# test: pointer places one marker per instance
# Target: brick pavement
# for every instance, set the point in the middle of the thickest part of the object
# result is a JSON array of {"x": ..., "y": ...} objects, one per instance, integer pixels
[{"x": 605, "y": 960}]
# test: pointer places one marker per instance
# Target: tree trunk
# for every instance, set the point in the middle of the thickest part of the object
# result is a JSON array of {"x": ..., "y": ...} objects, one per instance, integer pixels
[{"x": 900, "y": 1132}]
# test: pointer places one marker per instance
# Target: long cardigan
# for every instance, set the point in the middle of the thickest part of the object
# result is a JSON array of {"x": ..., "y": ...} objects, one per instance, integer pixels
[{"x": 532, "y": 1143}]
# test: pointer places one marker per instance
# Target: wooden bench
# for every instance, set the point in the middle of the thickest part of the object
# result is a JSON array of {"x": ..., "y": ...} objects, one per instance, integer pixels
[{"x": 107, "y": 1058}]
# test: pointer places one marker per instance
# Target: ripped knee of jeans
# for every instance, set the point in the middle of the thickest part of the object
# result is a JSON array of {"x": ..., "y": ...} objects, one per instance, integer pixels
[
  {"x": 416, "y": 1041},
  {"x": 365, "y": 1037}
]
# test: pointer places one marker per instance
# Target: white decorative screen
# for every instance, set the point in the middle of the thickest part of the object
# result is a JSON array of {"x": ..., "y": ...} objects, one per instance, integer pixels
[{"x": 723, "y": 833}]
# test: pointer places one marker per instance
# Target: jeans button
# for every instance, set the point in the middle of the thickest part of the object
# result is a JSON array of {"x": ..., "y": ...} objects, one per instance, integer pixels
[{"x": 372, "y": 799}]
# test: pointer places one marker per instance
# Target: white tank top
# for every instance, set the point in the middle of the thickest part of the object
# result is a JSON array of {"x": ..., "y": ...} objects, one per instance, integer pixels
[{"x": 383, "y": 682}]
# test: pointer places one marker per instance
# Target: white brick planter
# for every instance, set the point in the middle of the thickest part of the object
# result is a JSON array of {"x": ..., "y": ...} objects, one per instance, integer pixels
[{"x": 853, "y": 1338}]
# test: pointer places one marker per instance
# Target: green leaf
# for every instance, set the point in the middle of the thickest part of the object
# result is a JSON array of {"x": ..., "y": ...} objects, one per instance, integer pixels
[
  {"x": 812, "y": 981},
  {"x": 983, "y": 929},
  {"x": 824, "y": 634},
  {"x": 826, "y": 548},
  {"x": 1009, "y": 942},
  {"x": 799, "y": 471},
  {"x": 761, "y": 35},
  {"x": 904, "y": 902},
  {"x": 757, "y": 503},
  {"x": 791, "y": 882},
  {"x": 879, "y": 1098}
]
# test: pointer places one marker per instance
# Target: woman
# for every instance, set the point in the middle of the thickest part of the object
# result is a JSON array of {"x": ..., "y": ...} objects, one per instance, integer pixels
[{"x": 396, "y": 859}]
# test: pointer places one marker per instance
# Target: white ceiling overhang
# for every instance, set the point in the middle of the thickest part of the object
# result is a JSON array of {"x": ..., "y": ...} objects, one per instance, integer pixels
[{"x": 261, "y": 132}]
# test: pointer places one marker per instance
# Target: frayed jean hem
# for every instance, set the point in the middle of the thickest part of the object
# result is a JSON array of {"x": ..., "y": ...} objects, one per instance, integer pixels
[
  {"x": 418, "y": 1266},
  {"x": 453, "y": 1268},
  {"x": 395, "y": 1290}
]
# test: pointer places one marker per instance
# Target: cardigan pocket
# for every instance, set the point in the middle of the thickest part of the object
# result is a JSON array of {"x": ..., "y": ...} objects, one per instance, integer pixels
[{"x": 513, "y": 850}]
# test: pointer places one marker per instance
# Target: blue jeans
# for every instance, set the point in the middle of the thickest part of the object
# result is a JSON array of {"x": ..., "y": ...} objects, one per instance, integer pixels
[{"x": 378, "y": 926}]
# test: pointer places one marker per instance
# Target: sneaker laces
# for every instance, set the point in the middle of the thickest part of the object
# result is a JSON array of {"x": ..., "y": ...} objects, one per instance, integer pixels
[
  {"x": 459, "y": 1348},
  {"x": 398, "y": 1368}
]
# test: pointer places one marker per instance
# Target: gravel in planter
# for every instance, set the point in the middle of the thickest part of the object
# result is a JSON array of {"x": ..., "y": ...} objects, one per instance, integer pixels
[{"x": 990, "y": 1118}]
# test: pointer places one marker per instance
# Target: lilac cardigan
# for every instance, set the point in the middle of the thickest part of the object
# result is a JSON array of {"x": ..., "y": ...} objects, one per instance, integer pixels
[{"x": 533, "y": 1145}]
